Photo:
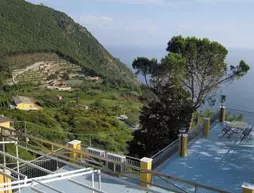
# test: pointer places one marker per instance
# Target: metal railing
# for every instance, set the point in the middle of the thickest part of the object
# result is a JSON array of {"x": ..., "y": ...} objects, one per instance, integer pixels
[
  {"x": 165, "y": 153},
  {"x": 130, "y": 172},
  {"x": 172, "y": 148},
  {"x": 246, "y": 116}
]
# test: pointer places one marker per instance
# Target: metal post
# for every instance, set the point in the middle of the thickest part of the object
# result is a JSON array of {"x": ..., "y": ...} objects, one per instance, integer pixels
[
  {"x": 17, "y": 156},
  {"x": 4, "y": 152},
  {"x": 99, "y": 173},
  {"x": 93, "y": 181}
]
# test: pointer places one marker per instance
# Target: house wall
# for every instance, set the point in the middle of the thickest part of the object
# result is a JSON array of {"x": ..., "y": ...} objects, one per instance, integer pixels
[
  {"x": 5, "y": 124},
  {"x": 25, "y": 106}
]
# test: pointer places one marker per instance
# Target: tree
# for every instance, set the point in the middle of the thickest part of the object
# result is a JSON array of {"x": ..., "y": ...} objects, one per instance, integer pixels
[
  {"x": 161, "y": 119},
  {"x": 144, "y": 66},
  {"x": 201, "y": 66},
  {"x": 52, "y": 77},
  {"x": 66, "y": 76}
]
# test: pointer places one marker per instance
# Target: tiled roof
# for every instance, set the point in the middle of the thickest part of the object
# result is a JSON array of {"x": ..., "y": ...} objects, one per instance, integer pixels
[
  {"x": 4, "y": 119},
  {"x": 22, "y": 99}
]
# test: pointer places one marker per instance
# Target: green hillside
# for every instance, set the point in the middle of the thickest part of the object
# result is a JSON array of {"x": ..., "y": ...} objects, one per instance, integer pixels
[{"x": 27, "y": 28}]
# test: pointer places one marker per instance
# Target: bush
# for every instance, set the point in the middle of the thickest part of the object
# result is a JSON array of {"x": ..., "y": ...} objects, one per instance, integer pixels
[{"x": 52, "y": 77}]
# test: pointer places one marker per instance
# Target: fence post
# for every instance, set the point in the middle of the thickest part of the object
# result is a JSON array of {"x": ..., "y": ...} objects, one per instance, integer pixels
[
  {"x": 247, "y": 188},
  {"x": 183, "y": 144},
  {"x": 222, "y": 113},
  {"x": 76, "y": 145},
  {"x": 145, "y": 177},
  {"x": 206, "y": 127},
  {"x": 5, "y": 179}
]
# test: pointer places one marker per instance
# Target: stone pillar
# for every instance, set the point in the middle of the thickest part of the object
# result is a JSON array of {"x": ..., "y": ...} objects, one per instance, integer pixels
[
  {"x": 145, "y": 177},
  {"x": 76, "y": 145},
  {"x": 5, "y": 179},
  {"x": 206, "y": 127},
  {"x": 222, "y": 113},
  {"x": 183, "y": 144},
  {"x": 247, "y": 188}
]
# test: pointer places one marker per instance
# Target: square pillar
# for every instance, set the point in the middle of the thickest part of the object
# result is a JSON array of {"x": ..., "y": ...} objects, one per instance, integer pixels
[
  {"x": 222, "y": 113},
  {"x": 183, "y": 144},
  {"x": 247, "y": 188},
  {"x": 76, "y": 145},
  {"x": 206, "y": 127},
  {"x": 145, "y": 177},
  {"x": 5, "y": 179}
]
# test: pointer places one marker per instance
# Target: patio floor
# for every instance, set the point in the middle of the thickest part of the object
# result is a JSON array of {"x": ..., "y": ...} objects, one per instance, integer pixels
[{"x": 220, "y": 163}]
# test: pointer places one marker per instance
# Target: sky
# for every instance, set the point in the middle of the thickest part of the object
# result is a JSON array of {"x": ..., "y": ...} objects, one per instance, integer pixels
[{"x": 151, "y": 23}]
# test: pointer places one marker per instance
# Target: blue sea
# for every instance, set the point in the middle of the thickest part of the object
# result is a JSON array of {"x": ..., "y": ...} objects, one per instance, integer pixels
[{"x": 239, "y": 94}]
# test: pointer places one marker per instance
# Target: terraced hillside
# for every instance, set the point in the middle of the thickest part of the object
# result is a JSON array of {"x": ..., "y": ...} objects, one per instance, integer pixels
[{"x": 27, "y": 28}]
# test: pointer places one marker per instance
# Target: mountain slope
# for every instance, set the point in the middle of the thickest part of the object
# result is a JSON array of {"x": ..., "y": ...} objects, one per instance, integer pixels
[{"x": 28, "y": 28}]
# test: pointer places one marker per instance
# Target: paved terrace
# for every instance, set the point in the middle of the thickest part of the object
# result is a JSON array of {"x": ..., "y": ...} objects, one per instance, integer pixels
[{"x": 218, "y": 162}]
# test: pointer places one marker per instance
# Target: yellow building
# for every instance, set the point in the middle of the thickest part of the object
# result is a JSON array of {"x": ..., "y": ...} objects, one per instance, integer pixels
[
  {"x": 25, "y": 103},
  {"x": 5, "y": 122}
]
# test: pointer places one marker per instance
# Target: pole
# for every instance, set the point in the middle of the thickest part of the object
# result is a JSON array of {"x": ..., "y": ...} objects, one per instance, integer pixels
[
  {"x": 93, "y": 181},
  {"x": 3, "y": 146},
  {"x": 17, "y": 156},
  {"x": 99, "y": 173}
]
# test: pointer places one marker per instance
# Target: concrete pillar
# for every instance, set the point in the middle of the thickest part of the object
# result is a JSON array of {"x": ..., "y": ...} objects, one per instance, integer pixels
[
  {"x": 206, "y": 127},
  {"x": 145, "y": 177},
  {"x": 183, "y": 144},
  {"x": 222, "y": 113},
  {"x": 247, "y": 188},
  {"x": 76, "y": 145},
  {"x": 4, "y": 179}
]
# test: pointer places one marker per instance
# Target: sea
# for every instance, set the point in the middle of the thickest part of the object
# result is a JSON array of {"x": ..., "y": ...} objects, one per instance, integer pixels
[{"x": 239, "y": 93}]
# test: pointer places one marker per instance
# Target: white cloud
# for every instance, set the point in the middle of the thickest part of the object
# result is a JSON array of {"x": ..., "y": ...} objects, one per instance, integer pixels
[
  {"x": 139, "y": 2},
  {"x": 96, "y": 21}
]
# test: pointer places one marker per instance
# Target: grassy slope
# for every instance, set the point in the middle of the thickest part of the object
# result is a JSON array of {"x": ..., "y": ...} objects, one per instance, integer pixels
[{"x": 28, "y": 28}]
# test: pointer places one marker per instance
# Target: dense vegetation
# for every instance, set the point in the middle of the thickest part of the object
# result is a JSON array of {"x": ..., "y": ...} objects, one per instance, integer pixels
[
  {"x": 68, "y": 119},
  {"x": 28, "y": 28}
]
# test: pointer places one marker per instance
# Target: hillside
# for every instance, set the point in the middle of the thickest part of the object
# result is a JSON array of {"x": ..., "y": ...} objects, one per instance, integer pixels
[{"x": 26, "y": 28}]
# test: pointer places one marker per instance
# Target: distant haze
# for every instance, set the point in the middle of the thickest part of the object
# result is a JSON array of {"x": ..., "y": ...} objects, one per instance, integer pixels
[{"x": 240, "y": 94}]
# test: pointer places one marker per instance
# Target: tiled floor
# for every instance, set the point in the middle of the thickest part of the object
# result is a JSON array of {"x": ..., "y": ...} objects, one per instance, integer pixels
[{"x": 218, "y": 162}]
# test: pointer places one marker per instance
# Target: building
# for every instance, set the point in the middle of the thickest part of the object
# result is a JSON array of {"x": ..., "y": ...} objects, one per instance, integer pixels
[
  {"x": 25, "y": 103},
  {"x": 96, "y": 78},
  {"x": 5, "y": 121}
]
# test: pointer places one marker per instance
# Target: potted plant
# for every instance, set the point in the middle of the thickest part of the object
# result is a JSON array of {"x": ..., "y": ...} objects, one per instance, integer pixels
[{"x": 222, "y": 100}]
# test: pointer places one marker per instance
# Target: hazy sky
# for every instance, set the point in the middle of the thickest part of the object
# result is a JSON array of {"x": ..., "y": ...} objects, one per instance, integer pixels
[{"x": 151, "y": 23}]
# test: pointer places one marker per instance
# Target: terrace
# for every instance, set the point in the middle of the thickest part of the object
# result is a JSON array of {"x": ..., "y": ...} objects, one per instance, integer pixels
[{"x": 221, "y": 162}]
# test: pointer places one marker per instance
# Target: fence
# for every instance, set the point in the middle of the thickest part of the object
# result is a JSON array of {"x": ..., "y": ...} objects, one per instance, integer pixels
[
  {"x": 246, "y": 116},
  {"x": 131, "y": 173},
  {"x": 172, "y": 148}
]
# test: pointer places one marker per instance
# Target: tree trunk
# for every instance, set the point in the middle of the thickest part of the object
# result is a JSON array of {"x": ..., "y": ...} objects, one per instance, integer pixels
[
  {"x": 191, "y": 121},
  {"x": 146, "y": 80}
]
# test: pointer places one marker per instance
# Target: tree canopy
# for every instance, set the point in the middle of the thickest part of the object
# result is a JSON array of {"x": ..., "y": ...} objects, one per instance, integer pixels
[
  {"x": 144, "y": 66},
  {"x": 161, "y": 119},
  {"x": 179, "y": 85},
  {"x": 201, "y": 66}
]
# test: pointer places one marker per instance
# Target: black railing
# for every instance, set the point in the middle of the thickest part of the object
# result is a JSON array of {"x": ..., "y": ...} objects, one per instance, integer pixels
[{"x": 241, "y": 115}]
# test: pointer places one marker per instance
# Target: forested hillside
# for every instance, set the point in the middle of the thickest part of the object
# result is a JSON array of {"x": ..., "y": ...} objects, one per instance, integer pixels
[{"x": 28, "y": 28}]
